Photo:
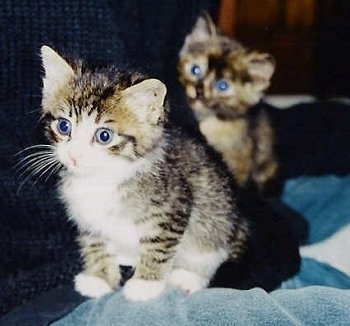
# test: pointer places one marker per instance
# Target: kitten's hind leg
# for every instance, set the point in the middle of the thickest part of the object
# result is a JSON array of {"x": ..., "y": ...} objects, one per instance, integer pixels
[
  {"x": 187, "y": 280},
  {"x": 193, "y": 270}
]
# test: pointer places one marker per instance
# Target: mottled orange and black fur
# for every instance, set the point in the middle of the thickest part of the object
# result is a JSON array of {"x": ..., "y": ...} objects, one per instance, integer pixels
[{"x": 224, "y": 83}]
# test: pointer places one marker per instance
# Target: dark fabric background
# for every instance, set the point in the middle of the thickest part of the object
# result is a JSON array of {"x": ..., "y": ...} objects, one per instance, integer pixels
[{"x": 37, "y": 249}]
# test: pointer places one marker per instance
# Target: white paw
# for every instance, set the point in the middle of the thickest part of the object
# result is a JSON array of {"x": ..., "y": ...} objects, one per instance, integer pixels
[
  {"x": 91, "y": 286},
  {"x": 188, "y": 281},
  {"x": 141, "y": 290}
]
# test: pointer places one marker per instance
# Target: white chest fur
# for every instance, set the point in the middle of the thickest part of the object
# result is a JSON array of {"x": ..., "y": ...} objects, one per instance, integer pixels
[
  {"x": 224, "y": 135},
  {"x": 95, "y": 204}
]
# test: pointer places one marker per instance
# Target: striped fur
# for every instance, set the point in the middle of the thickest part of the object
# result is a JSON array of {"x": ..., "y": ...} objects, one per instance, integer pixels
[
  {"x": 245, "y": 140},
  {"x": 152, "y": 198}
]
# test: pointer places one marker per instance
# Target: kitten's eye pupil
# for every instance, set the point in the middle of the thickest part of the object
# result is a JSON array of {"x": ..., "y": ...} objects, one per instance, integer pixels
[
  {"x": 63, "y": 126},
  {"x": 196, "y": 70},
  {"x": 222, "y": 85},
  {"x": 104, "y": 136}
]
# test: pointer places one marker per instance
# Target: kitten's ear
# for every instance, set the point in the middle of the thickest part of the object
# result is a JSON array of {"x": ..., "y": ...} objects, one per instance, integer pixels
[
  {"x": 261, "y": 67},
  {"x": 203, "y": 29},
  {"x": 57, "y": 70},
  {"x": 146, "y": 99}
]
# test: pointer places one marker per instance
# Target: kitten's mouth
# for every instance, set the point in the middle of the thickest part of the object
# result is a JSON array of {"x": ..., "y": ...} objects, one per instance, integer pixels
[
  {"x": 78, "y": 169},
  {"x": 199, "y": 108},
  {"x": 197, "y": 102}
]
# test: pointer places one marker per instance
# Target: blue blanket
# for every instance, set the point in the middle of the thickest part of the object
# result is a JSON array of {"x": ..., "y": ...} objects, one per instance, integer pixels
[{"x": 325, "y": 306}]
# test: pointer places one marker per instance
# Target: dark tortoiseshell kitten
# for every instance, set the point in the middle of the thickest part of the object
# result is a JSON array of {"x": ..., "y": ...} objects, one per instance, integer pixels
[
  {"x": 224, "y": 83},
  {"x": 142, "y": 194}
]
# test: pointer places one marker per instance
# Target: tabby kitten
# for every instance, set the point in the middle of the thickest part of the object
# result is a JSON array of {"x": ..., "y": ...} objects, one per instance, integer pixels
[
  {"x": 142, "y": 194},
  {"x": 224, "y": 83}
]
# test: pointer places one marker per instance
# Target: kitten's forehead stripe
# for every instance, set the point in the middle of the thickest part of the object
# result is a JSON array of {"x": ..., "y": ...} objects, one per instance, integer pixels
[
  {"x": 217, "y": 62},
  {"x": 76, "y": 112},
  {"x": 92, "y": 109},
  {"x": 91, "y": 89},
  {"x": 109, "y": 121}
]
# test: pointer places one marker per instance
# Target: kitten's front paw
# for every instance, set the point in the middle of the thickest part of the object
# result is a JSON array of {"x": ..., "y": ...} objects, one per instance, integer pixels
[
  {"x": 91, "y": 286},
  {"x": 142, "y": 290},
  {"x": 188, "y": 281}
]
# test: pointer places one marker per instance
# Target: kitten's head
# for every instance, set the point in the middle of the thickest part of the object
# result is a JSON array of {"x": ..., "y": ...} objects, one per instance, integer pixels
[
  {"x": 219, "y": 75},
  {"x": 100, "y": 119}
]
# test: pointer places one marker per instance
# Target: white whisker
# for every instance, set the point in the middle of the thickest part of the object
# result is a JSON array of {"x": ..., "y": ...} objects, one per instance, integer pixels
[
  {"x": 28, "y": 160},
  {"x": 42, "y": 146},
  {"x": 37, "y": 154},
  {"x": 35, "y": 166},
  {"x": 44, "y": 166},
  {"x": 23, "y": 183},
  {"x": 56, "y": 167},
  {"x": 39, "y": 167},
  {"x": 42, "y": 162},
  {"x": 44, "y": 170}
]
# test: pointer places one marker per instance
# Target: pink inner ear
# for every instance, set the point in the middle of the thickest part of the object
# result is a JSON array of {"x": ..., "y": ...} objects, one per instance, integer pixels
[
  {"x": 261, "y": 67},
  {"x": 202, "y": 30}
]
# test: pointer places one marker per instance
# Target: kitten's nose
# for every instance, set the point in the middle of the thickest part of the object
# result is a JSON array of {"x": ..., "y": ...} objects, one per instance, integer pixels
[
  {"x": 75, "y": 157},
  {"x": 199, "y": 90}
]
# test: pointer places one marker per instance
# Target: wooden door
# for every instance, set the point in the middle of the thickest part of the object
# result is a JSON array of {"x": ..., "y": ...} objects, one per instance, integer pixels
[{"x": 310, "y": 40}]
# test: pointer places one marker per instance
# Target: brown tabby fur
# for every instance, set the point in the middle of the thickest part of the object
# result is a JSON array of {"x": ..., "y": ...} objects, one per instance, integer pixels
[{"x": 153, "y": 198}]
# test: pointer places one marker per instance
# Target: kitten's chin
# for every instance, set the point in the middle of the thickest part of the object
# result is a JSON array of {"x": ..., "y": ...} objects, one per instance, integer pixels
[
  {"x": 79, "y": 171},
  {"x": 196, "y": 103},
  {"x": 200, "y": 110}
]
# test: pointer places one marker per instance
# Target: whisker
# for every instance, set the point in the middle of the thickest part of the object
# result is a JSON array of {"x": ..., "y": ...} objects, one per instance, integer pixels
[
  {"x": 31, "y": 158},
  {"x": 39, "y": 153},
  {"x": 33, "y": 111},
  {"x": 42, "y": 146},
  {"x": 45, "y": 169},
  {"x": 42, "y": 164},
  {"x": 34, "y": 167},
  {"x": 23, "y": 183},
  {"x": 39, "y": 164},
  {"x": 56, "y": 167}
]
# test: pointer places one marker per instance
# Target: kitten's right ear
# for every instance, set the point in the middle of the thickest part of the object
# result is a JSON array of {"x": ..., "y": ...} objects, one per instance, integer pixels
[
  {"x": 261, "y": 67},
  {"x": 57, "y": 70},
  {"x": 147, "y": 99}
]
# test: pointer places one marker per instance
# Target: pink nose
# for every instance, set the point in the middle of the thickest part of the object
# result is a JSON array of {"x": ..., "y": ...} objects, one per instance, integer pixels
[{"x": 75, "y": 157}]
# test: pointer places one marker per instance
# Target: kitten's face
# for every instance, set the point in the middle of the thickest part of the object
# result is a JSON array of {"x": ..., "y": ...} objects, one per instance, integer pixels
[
  {"x": 219, "y": 75},
  {"x": 99, "y": 120}
]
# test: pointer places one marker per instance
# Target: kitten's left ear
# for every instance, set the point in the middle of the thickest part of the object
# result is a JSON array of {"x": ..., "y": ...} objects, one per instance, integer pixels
[
  {"x": 202, "y": 30},
  {"x": 261, "y": 67},
  {"x": 57, "y": 70},
  {"x": 146, "y": 99}
]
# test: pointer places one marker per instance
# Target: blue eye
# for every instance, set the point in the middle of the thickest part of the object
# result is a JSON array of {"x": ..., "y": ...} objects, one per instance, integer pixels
[
  {"x": 222, "y": 85},
  {"x": 64, "y": 127},
  {"x": 196, "y": 70},
  {"x": 104, "y": 136}
]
